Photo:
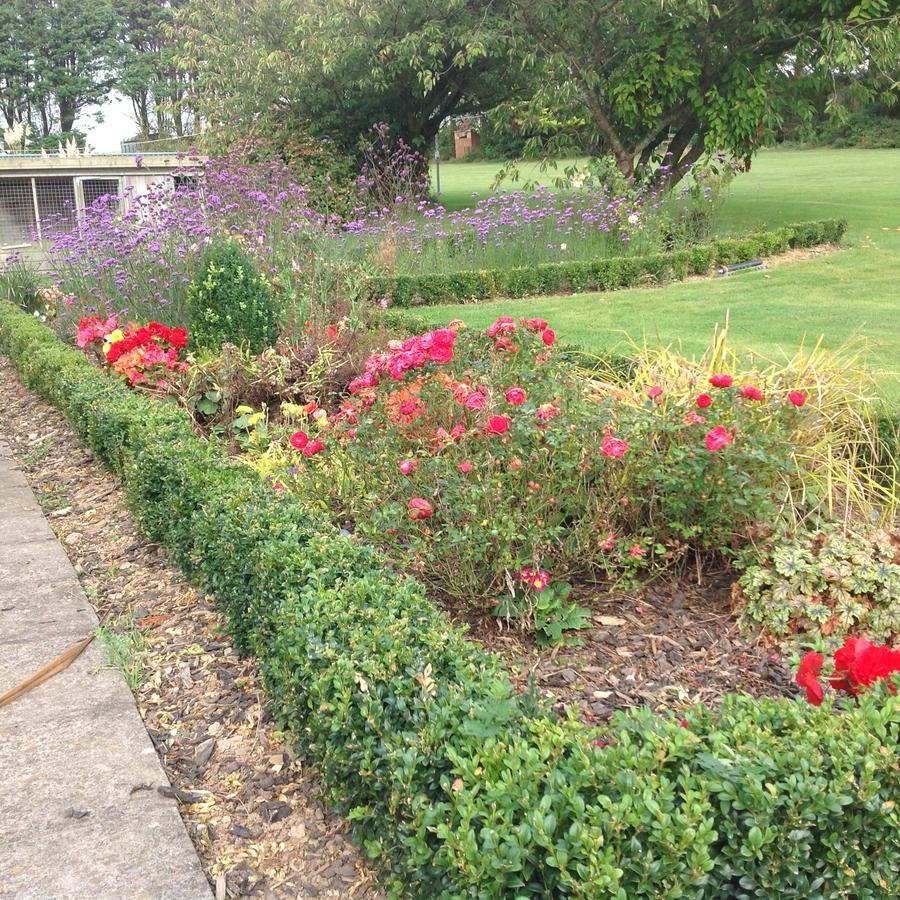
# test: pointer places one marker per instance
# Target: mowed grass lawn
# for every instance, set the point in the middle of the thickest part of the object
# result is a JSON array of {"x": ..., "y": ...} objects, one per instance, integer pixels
[{"x": 852, "y": 293}]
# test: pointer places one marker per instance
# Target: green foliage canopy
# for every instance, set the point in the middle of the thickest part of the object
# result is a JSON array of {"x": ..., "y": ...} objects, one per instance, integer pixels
[{"x": 686, "y": 77}]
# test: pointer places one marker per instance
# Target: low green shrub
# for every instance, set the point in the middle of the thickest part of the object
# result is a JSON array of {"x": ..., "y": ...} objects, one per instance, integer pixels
[
  {"x": 230, "y": 303},
  {"x": 824, "y": 584},
  {"x": 597, "y": 275},
  {"x": 455, "y": 786}
]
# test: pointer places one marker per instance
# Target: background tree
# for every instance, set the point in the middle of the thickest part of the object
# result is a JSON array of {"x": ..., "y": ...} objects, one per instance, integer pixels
[
  {"x": 346, "y": 64},
  {"x": 689, "y": 76},
  {"x": 72, "y": 42},
  {"x": 145, "y": 68}
]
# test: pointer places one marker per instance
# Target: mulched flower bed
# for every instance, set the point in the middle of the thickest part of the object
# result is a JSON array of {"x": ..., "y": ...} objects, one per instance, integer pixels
[
  {"x": 251, "y": 808},
  {"x": 669, "y": 645}
]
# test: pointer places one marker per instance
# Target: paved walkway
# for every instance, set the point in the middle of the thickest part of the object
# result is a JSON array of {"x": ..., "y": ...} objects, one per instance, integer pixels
[{"x": 80, "y": 811}]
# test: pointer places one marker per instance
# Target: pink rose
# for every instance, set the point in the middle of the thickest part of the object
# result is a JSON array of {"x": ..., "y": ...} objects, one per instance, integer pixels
[
  {"x": 721, "y": 381},
  {"x": 299, "y": 439},
  {"x": 613, "y": 447},
  {"x": 515, "y": 396},
  {"x": 408, "y": 466},
  {"x": 497, "y": 425},
  {"x": 419, "y": 508},
  {"x": 717, "y": 438},
  {"x": 798, "y": 398}
]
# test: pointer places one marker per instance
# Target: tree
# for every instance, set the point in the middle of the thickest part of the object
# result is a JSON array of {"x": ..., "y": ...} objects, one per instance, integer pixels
[
  {"x": 72, "y": 42},
  {"x": 684, "y": 77},
  {"x": 346, "y": 64},
  {"x": 145, "y": 69}
]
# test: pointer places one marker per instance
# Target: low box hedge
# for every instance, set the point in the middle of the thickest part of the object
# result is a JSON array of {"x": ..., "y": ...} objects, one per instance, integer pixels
[
  {"x": 601, "y": 274},
  {"x": 456, "y": 786}
]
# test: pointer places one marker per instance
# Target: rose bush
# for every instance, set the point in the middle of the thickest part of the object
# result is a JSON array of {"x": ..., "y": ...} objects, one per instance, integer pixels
[{"x": 475, "y": 456}]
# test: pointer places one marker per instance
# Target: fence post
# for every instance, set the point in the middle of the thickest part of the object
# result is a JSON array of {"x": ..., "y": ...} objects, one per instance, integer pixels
[{"x": 37, "y": 211}]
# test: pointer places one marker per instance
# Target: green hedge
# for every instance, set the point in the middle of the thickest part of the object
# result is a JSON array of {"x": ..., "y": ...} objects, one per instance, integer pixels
[
  {"x": 601, "y": 274},
  {"x": 456, "y": 786}
]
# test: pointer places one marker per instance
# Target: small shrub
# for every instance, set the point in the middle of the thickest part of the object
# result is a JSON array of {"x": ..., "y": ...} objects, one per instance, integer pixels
[
  {"x": 819, "y": 585},
  {"x": 230, "y": 303}
]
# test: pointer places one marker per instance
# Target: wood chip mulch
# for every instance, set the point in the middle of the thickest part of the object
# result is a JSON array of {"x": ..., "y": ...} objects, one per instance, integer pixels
[
  {"x": 251, "y": 807},
  {"x": 672, "y": 644}
]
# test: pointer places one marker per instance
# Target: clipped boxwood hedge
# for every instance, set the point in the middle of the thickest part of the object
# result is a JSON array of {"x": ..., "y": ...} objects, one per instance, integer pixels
[
  {"x": 456, "y": 786},
  {"x": 600, "y": 274}
]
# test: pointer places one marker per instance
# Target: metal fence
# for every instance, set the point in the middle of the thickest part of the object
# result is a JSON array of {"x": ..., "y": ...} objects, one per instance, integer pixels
[{"x": 29, "y": 207}]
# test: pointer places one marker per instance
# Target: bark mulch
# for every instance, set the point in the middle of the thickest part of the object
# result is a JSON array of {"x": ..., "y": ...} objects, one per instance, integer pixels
[
  {"x": 251, "y": 807},
  {"x": 672, "y": 644}
]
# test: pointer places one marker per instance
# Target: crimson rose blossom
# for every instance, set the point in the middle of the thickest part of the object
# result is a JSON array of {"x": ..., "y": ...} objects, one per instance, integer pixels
[
  {"x": 798, "y": 398},
  {"x": 703, "y": 401},
  {"x": 613, "y": 447},
  {"x": 312, "y": 448},
  {"x": 299, "y": 439},
  {"x": 751, "y": 392},
  {"x": 419, "y": 508},
  {"x": 717, "y": 438},
  {"x": 548, "y": 336},
  {"x": 515, "y": 396},
  {"x": 721, "y": 381},
  {"x": 497, "y": 425},
  {"x": 860, "y": 663},
  {"x": 807, "y": 677}
]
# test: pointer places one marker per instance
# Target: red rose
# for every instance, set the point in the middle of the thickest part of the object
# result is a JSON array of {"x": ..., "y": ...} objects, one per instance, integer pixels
[
  {"x": 798, "y": 398},
  {"x": 721, "y": 381},
  {"x": 178, "y": 338},
  {"x": 860, "y": 663},
  {"x": 515, "y": 396},
  {"x": 419, "y": 508},
  {"x": 704, "y": 400},
  {"x": 751, "y": 392},
  {"x": 717, "y": 438},
  {"x": 548, "y": 336},
  {"x": 299, "y": 439},
  {"x": 807, "y": 677},
  {"x": 497, "y": 425},
  {"x": 312, "y": 448},
  {"x": 465, "y": 467}
]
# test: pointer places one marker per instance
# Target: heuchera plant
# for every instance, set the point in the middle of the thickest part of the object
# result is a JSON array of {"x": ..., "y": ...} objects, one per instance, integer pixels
[
  {"x": 858, "y": 664},
  {"x": 144, "y": 354}
]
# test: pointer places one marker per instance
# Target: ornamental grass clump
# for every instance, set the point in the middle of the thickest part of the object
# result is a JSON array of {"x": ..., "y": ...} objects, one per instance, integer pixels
[{"x": 482, "y": 462}]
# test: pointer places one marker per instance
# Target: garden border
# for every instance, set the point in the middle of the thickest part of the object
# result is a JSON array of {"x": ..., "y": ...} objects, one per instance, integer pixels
[
  {"x": 456, "y": 786},
  {"x": 607, "y": 274}
]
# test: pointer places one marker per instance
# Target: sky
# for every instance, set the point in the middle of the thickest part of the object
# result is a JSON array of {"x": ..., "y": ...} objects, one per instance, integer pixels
[{"x": 118, "y": 124}]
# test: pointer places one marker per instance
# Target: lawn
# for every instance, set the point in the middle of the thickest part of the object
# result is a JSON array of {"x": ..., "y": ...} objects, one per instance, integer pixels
[{"x": 848, "y": 294}]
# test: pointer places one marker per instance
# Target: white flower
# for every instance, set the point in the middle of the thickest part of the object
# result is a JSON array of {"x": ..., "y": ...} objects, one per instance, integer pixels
[{"x": 563, "y": 246}]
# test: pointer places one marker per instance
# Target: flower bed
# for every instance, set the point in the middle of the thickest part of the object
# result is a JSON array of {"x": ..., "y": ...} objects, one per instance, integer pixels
[
  {"x": 597, "y": 275},
  {"x": 455, "y": 786}
]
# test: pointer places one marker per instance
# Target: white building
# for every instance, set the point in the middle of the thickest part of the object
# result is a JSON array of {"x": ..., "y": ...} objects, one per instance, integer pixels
[{"x": 37, "y": 190}]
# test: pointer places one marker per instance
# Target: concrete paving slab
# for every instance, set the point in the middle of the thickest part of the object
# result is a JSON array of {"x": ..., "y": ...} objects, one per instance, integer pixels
[{"x": 81, "y": 815}]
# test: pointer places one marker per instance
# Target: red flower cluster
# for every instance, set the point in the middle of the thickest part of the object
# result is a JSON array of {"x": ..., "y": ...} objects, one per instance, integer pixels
[
  {"x": 413, "y": 353},
  {"x": 857, "y": 664},
  {"x": 137, "y": 350},
  {"x": 148, "y": 337},
  {"x": 501, "y": 330}
]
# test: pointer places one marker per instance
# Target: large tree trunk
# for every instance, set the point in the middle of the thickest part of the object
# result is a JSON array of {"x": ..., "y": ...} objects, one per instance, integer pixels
[{"x": 67, "y": 113}]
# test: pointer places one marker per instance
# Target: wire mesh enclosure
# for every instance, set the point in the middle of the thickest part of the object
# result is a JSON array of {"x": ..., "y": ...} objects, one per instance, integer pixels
[{"x": 18, "y": 221}]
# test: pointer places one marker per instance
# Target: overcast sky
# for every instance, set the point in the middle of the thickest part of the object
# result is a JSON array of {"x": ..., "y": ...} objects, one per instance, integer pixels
[{"x": 118, "y": 124}]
